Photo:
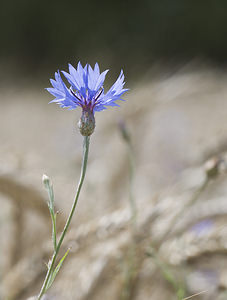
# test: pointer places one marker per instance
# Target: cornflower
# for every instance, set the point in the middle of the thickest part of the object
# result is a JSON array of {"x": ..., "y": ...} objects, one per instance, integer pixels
[{"x": 86, "y": 91}]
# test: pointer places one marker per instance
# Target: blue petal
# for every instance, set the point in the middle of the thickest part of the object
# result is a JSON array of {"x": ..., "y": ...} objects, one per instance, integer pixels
[
  {"x": 114, "y": 93},
  {"x": 61, "y": 93},
  {"x": 95, "y": 80}
]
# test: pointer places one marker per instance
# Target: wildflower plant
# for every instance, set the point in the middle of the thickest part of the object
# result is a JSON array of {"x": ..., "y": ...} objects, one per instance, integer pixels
[{"x": 84, "y": 89}]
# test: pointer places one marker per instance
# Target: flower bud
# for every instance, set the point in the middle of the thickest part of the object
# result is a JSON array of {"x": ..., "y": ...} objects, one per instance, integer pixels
[
  {"x": 46, "y": 181},
  {"x": 86, "y": 123},
  {"x": 213, "y": 167}
]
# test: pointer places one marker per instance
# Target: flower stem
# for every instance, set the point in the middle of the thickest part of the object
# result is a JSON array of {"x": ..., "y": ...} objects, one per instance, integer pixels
[{"x": 82, "y": 176}]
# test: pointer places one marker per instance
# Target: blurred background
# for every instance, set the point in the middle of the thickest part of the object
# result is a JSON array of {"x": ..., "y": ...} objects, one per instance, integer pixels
[
  {"x": 40, "y": 35},
  {"x": 173, "y": 54}
]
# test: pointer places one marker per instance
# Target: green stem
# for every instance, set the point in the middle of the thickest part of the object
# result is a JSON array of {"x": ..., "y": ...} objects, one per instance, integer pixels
[{"x": 82, "y": 176}]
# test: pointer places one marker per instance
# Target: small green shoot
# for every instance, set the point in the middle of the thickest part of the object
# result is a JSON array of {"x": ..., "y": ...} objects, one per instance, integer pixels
[
  {"x": 55, "y": 272},
  {"x": 49, "y": 187}
]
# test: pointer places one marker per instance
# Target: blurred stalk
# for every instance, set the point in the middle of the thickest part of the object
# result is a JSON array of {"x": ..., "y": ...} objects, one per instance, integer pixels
[
  {"x": 131, "y": 183},
  {"x": 193, "y": 199},
  {"x": 212, "y": 169},
  {"x": 132, "y": 260},
  {"x": 131, "y": 159},
  {"x": 167, "y": 274}
]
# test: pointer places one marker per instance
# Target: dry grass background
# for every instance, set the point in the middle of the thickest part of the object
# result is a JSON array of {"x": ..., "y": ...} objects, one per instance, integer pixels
[{"x": 177, "y": 121}]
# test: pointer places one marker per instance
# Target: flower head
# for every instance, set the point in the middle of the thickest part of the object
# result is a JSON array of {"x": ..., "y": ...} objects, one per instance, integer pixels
[{"x": 86, "y": 90}]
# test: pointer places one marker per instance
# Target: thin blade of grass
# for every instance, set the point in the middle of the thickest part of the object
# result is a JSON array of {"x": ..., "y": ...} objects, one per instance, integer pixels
[{"x": 56, "y": 270}]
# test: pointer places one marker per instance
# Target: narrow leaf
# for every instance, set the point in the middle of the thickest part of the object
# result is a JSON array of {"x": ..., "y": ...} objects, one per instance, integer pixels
[{"x": 56, "y": 270}]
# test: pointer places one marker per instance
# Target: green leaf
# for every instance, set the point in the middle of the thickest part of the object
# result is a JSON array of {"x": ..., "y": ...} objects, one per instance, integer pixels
[{"x": 55, "y": 272}]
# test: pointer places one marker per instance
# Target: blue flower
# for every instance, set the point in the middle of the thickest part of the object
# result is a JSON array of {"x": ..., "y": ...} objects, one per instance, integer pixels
[
  {"x": 203, "y": 227},
  {"x": 86, "y": 89}
]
